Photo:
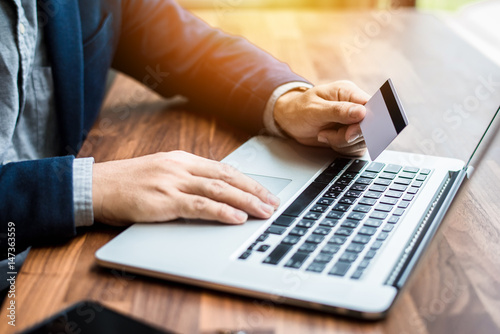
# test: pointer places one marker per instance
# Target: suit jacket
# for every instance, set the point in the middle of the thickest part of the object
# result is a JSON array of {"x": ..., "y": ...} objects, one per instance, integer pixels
[{"x": 157, "y": 43}]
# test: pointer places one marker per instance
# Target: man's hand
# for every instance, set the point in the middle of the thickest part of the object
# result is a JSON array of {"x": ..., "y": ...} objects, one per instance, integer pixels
[
  {"x": 166, "y": 186},
  {"x": 326, "y": 115}
]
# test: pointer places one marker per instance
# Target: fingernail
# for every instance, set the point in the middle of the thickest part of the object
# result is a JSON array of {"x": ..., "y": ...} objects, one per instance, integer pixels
[
  {"x": 267, "y": 208},
  {"x": 273, "y": 200},
  {"x": 240, "y": 216},
  {"x": 353, "y": 137},
  {"x": 355, "y": 111},
  {"x": 322, "y": 139}
]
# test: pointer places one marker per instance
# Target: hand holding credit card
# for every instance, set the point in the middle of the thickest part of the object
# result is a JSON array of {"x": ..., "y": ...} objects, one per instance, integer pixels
[{"x": 384, "y": 120}]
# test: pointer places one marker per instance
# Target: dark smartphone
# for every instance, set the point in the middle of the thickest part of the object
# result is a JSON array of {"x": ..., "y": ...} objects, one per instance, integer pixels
[{"x": 93, "y": 318}]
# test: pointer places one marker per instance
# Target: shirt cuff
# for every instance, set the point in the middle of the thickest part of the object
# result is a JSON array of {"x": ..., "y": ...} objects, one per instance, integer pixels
[
  {"x": 269, "y": 122},
  {"x": 82, "y": 191}
]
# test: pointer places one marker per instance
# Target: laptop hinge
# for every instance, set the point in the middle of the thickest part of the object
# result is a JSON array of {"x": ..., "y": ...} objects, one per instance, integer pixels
[{"x": 425, "y": 231}]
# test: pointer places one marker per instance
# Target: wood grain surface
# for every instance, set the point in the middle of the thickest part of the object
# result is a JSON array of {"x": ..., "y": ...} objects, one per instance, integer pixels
[{"x": 455, "y": 288}]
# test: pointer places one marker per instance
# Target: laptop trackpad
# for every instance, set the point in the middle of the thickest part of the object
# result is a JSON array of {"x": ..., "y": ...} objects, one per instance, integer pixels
[{"x": 274, "y": 184}]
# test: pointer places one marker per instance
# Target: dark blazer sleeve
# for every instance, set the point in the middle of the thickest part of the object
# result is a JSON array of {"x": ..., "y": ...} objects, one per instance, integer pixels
[
  {"x": 173, "y": 52},
  {"x": 37, "y": 196}
]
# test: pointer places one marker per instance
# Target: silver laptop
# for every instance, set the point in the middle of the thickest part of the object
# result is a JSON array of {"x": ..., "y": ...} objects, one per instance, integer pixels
[{"x": 345, "y": 239}]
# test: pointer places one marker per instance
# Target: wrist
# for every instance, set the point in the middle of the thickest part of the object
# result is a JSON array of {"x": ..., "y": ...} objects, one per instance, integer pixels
[{"x": 284, "y": 108}]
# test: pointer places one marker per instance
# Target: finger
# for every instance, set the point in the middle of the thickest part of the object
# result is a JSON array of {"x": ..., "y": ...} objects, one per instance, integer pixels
[
  {"x": 355, "y": 150},
  {"x": 216, "y": 170},
  {"x": 338, "y": 138},
  {"x": 343, "y": 90},
  {"x": 198, "y": 207},
  {"x": 342, "y": 112},
  {"x": 223, "y": 192}
]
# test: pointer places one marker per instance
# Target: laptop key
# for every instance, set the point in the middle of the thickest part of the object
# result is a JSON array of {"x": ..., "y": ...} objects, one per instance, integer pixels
[
  {"x": 335, "y": 214},
  {"x": 276, "y": 230},
  {"x": 376, "y": 244},
  {"x": 382, "y": 236},
  {"x": 392, "y": 193},
  {"x": 372, "y": 194},
  {"x": 278, "y": 254},
  {"x": 356, "y": 166},
  {"x": 356, "y": 248},
  {"x": 262, "y": 237},
  {"x": 406, "y": 175},
  {"x": 408, "y": 197},
  {"x": 425, "y": 171},
  {"x": 356, "y": 215},
  {"x": 357, "y": 274},
  {"x": 391, "y": 168},
  {"x": 387, "y": 228},
  {"x": 298, "y": 231},
  {"x": 350, "y": 223},
  {"x": 367, "y": 230},
  {"x": 323, "y": 257},
  {"x": 375, "y": 167},
  {"x": 358, "y": 187},
  {"x": 348, "y": 257},
  {"x": 393, "y": 219},
  {"x": 417, "y": 184},
  {"x": 412, "y": 190},
  {"x": 421, "y": 177},
  {"x": 398, "y": 212},
  {"x": 312, "y": 215},
  {"x": 370, "y": 254},
  {"x": 341, "y": 207},
  {"x": 315, "y": 238},
  {"x": 296, "y": 260},
  {"x": 378, "y": 215},
  {"x": 245, "y": 255},
  {"x": 361, "y": 239},
  {"x": 322, "y": 230},
  {"x": 304, "y": 199},
  {"x": 383, "y": 207},
  {"x": 400, "y": 180},
  {"x": 373, "y": 222},
  {"x": 284, "y": 221},
  {"x": 353, "y": 193},
  {"x": 330, "y": 249},
  {"x": 408, "y": 169},
  {"x": 363, "y": 180},
  {"x": 369, "y": 175},
  {"x": 263, "y": 248},
  {"x": 387, "y": 176},
  {"x": 403, "y": 204},
  {"x": 388, "y": 200},
  {"x": 324, "y": 201},
  {"x": 364, "y": 263},
  {"x": 331, "y": 194},
  {"x": 362, "y": 208},
  {"x": 337, "y": 239},
  {"x": 319, "y": 208},
  {"x": 378, "y": 188},
  {"x": 291, "y": 240},
  {"x": 316, "y": 267},
  {"x": 327, "y": 222},
  {"x": 367, "y": 201},
  {"x": 305, "y": 223},
  {"x": 382, "y": 182},
  {"x": 398, "y": 187},
  {"x": 340, "y": 268},
  {"x": 307, "y": 247},
  {"x": 344, "y": 231},
  {"x": 347, "y": 200}
]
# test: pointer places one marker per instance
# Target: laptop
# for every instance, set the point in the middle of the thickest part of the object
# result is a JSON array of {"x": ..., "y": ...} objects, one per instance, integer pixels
[{"x": 345, "y": 239}]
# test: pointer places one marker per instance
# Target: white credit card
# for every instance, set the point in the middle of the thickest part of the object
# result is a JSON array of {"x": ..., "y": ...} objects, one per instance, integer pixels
[{"x": 384, "y": 120}]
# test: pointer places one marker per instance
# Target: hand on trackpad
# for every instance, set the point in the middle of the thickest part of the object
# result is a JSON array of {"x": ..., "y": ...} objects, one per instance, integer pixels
[{"x": 274, "y": 184}]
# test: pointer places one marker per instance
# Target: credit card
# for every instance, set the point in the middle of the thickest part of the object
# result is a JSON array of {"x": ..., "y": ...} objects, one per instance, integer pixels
[{"x": 384, "y": 120}]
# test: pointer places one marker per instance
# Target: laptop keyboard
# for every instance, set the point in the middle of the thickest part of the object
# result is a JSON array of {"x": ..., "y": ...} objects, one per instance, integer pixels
[{"x": 341, "y": 219}]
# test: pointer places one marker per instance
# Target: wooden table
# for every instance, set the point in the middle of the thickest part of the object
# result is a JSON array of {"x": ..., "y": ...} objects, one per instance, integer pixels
[{"x": 456, "y": 287}]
